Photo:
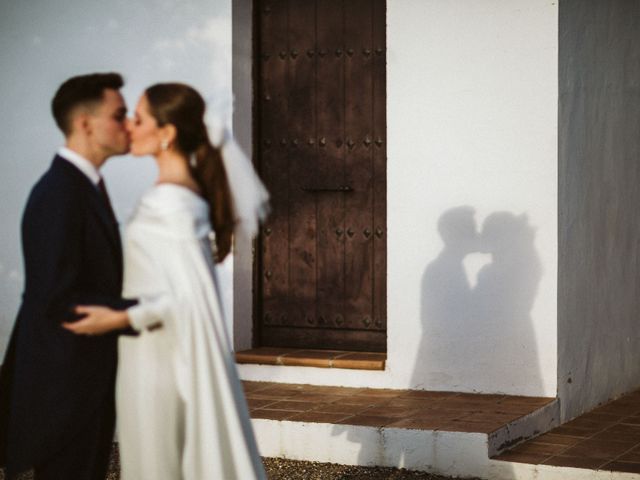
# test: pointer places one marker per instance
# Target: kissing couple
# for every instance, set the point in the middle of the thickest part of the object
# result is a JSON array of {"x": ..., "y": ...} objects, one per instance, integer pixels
[{"x": 142, "y": 341}]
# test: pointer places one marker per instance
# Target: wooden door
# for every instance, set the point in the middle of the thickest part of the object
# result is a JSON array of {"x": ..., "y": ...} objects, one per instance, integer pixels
[{"x": 321, "y": 148}]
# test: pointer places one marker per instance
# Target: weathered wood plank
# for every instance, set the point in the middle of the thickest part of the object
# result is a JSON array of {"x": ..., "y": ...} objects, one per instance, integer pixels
[
  {"x": 273, "y": 102},
  {"x": 359, "y": 167},
  {"x": 301, "y": 125},
  {"x": 379, "y": 166}
]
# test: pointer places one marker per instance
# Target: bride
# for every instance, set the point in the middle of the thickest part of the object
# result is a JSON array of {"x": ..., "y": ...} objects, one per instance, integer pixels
[{"x": 181, "y": 412}]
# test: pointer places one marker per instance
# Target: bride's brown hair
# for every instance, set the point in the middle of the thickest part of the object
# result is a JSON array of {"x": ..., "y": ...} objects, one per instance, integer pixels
[{"x": 183, "y": 107}]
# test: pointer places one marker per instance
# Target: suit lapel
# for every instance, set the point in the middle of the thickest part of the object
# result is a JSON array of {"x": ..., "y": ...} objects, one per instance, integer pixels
[
  {"x": 96, "y": 205},
  {"x": 100, "y": 209}
]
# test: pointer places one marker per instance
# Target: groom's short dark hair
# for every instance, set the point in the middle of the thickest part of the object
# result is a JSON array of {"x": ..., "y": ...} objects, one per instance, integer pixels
[{"x": 82, "y": 90}]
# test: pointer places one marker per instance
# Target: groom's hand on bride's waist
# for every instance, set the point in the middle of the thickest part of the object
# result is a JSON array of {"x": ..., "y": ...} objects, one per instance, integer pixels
[{"x": 97, "y": 320}]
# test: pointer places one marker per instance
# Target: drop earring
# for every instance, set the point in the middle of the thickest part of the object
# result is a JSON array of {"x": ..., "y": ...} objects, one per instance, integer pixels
[{"x": 164, "y": 145}]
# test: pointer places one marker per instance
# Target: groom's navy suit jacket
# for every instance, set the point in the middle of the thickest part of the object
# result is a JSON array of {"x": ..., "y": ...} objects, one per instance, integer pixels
[{"x": 52, "y": 381}]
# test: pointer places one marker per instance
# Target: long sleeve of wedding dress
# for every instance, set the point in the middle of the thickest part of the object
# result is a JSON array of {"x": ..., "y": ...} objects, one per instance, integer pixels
[
  {"x": 149, "y": 312},
  {"x": 178, "y": 388}
]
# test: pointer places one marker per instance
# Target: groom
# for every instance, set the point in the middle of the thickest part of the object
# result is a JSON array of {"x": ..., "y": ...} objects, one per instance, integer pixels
[{"x": 57, "y": 388}]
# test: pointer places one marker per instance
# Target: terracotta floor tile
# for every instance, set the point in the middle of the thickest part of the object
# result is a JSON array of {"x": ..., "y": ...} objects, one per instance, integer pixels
[
  {"x": 360, "y": 361},
  {"x": 619, "y": 466},
  {"x": 259, "y": 403},
  {"x": 337, "y": 391},
  {"x": 631, "y": 456},
  {"x": 572, "y": 432},
  {"x": 340, "y": 408},
  {"x": 620, "y": 409},
  {"x": 624, "y": 428},
  {"x": 260, "y": 356},
  {"x": 291, "y": 405},
  {"x": 318, "y": 398},
  {"x": 318, "y": 417},
  {"x": 368, "y": 421},
  {"x": 442, "y": 415},
  {"x": 620, "y": 432},
  {"x": 502, "y": 418},
  {"x": 575, "y": 462},
  {"x": 533, "y": 401},
  {"x": 272, "y": 414},
  {"x": 469, "y": 405},
  {"x": 532, "y": 458},
  {"x": 285, "y": 388},
  {"x": 310, "y": 358},
  {"x": 480, "y": 398},
  {"x": 554, "y": 439},
  {"x": 422, "y": 404},
  {"x": 602, "y": 417},
  {"x": 472, "y": 427},
  {"x": 630, "y": 399},
  {"x": 364, "y": 356},
  {"x": 419, "y": 423},
  {"x": 365, "y": 400},
  {"x": 428, "y": 395},
  {"x": 631, "y": 420},
  {"x": 273, "y": 393},
  {"x": 305, "y": 361},
  {"x": 630, "y": 439},
  {"x": 589, "y": 425},
  {"x": 516, "y": 408},
  {"x": 591, "y": 448},
  {"x": 313, "y": 353},
  {"x": 255, "y": 386},
  {"x": 380, "y": 392},
  {"x": 540, "y": 448}
]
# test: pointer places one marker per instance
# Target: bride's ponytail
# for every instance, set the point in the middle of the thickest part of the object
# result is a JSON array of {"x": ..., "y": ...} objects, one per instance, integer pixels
[
  {"x": 208, "y": 171},
  {"x": 183, "y": 107}
]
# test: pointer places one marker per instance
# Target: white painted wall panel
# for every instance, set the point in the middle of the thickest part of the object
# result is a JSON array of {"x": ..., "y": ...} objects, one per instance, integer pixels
[
  {"x": 599, "y": 301},
  {"x": 472, "y": 108}
]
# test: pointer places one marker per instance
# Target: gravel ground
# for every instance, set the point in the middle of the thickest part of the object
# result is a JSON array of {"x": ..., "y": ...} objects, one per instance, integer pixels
[{"x": 281, "y": 469}]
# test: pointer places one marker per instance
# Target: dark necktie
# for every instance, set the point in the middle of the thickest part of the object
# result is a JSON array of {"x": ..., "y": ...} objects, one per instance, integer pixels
[{"x": 107, "y": 203}]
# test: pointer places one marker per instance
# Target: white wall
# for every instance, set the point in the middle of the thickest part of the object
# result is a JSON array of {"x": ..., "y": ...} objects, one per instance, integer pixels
[
  {"x": 44, "y": 43},
  {"x": 472, "y": 122},
  {"x": 599, "y": 287}
]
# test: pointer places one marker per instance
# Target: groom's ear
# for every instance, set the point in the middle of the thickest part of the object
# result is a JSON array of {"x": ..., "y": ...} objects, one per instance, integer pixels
[{"x": 80, "y": 122}]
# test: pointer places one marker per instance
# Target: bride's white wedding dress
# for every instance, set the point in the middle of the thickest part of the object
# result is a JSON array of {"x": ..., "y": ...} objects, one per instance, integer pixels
[{"x": 181, "y": 412}]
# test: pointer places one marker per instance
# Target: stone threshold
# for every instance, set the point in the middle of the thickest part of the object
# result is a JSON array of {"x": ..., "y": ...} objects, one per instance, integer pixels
[{"x": 294, "y": 357}]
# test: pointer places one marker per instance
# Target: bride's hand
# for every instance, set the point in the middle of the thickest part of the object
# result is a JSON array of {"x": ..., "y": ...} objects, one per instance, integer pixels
[{"x": 97, "y": 320}]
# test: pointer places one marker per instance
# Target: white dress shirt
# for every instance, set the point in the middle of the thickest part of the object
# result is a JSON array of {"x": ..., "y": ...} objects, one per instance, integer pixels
[{"x": 84, "y": 165}]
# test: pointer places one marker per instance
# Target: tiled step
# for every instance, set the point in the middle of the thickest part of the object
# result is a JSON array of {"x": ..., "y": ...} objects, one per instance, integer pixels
[
  {"x": 441, "y": 432},
  {"x": 293, "y": 357},
  {"x": 604, "y": 443}
]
